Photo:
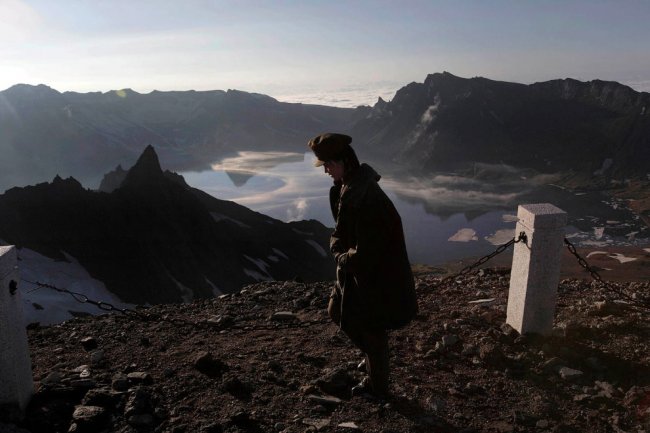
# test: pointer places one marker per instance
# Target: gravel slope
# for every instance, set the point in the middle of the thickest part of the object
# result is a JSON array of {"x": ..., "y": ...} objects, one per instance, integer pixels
[{"x": 244, "y": 367}]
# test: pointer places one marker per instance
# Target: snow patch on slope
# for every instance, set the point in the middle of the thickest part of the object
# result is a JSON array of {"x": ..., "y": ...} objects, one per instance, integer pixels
[
  {"x": 56, "y": 307},
  {"x": 621, "y": 258},
  {"x": 215, "y": 290},
  {"x": 187, "y": 295},
  {"x": 256, "y": 275},
  {"x": 280, "y": 253},
  {"x": 262, "y": 274},
  {"x": 275, "y": 258},
  {"x": 317, "y": 247},
  {"x": 219, "y": 217}
]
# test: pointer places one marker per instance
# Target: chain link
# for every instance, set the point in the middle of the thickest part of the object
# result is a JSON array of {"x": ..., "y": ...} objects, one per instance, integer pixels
[
  {"x": 83, "y": 299},
  {"x": 148, "y": 316},
  {"x": 522, "y": 238},
  {"x": 596, "y": 276}
]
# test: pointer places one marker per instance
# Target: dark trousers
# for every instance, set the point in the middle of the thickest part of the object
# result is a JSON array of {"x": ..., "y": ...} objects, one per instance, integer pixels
[{"x": 372, "y": 342}]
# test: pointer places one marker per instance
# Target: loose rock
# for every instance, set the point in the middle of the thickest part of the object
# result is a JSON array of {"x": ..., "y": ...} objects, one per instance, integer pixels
[
  {"x": 281, "y": 316},
  {"x": 349, "y": 425},
  {"x": 327, "y": 400},
  {"x": 569, "y": 373},
  {"x": 208, "y": 365},
  {"x": 139, "y": 377},
  {"x": 89, "y": 415},
  {"x": 89, "y": 343}
]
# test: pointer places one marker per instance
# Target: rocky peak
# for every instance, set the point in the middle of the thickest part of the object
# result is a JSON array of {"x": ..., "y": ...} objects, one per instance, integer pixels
[
  {"x": 441, "y": 76},
  {"x": 381, "y": 108},
  {"x": 69, "y": 184},
  {"x": 123, "y": 93},
  {"x": 607, "y": 94},
  {"x": 146, "y": 170},
  {"x": 113, "y": 179},
  {"x": 37, "y": 91}
]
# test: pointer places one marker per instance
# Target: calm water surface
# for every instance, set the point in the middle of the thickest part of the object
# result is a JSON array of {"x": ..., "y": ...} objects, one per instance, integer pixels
[{"x": 445, "y": 217}]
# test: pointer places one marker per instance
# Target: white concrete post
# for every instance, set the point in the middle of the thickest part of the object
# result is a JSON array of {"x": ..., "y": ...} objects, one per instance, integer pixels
[
  {"x": 536, "y": 268},
  {"x": 16, "y": 382}
]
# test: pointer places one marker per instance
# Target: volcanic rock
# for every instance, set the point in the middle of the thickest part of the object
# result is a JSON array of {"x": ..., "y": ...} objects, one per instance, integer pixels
[{"x": 448, "y": 393}]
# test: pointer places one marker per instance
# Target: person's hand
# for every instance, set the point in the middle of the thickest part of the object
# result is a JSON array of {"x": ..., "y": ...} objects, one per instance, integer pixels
[{"x": 345, "y": 260}]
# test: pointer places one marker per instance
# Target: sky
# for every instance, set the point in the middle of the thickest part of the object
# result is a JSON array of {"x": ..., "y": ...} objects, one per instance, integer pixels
[{"x": 336, "y": 52}]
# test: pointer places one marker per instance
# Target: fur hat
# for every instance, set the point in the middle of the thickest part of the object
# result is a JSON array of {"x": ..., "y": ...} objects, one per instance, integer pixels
[{"x": 329, "y": 146}]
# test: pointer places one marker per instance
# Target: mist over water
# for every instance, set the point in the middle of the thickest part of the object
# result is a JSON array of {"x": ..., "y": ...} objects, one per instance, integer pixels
[{"x": 446, "y": 217}]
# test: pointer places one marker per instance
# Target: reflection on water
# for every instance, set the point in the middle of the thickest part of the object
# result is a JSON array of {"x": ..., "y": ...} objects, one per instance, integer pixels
[
  {"x": 446, "y": 216},
  {"x": 248, "y": 164},
  {"x": 285, "y": 186}
]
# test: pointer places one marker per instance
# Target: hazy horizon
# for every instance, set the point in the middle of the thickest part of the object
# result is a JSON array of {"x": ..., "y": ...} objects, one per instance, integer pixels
[
  {"x": 345, "y": 97},
  {"x": 334, "y": 53}
]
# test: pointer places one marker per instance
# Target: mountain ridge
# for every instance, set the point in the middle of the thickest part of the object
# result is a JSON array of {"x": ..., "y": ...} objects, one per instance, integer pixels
[
  {"x": 444, "y": 123},
  {"x": 155, "y": 239},
  {"x": 44, "y": 131},
  {"x": 448, "y": 123}
]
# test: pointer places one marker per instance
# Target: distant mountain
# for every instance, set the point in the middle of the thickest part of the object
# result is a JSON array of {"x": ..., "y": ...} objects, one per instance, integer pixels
[
  {"x": 594, "y": 128},
  {"x": 44, "y": 132},
  {"x": 155, "y": 239},
  {"x": 450, "y": 123}
]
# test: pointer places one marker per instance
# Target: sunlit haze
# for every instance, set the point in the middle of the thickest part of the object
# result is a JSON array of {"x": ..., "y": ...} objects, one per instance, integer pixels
[{"x": 340, "y": 53}]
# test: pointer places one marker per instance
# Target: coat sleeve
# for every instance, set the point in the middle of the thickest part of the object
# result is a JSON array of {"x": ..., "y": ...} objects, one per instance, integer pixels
[
  {"x": 373, "y": 224},
  {"x": 338, "y": 246}
]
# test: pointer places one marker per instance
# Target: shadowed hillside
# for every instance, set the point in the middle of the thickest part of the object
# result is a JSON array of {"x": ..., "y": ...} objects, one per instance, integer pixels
[
  {"x": 155, "y": 239},
  {"x": 44, "y": 132},
  {"x": 594, "y": 128}
]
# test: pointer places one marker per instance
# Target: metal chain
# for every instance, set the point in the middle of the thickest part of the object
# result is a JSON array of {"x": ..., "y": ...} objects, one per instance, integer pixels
[
  {"x": 83, "y": 299},
  {"x": 522, "y": 238},
  {"x": 596, "y": 276},
  {"x": 149, "y": 316}
]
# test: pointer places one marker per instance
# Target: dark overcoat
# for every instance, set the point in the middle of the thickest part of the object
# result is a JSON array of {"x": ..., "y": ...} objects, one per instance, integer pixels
[{"x": 374, "y": 279}]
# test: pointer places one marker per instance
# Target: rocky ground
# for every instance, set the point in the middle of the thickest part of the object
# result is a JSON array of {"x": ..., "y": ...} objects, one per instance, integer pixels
[{"x": 267, "y": 359}]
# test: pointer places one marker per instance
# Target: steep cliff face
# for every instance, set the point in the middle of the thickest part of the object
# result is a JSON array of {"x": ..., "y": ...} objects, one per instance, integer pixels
[
  {"x": 155, "y": 239},
  {"x": 449, "y": 122}
]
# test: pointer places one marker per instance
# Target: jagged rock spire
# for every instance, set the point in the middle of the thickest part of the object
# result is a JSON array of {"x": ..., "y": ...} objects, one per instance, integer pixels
[{"x": 146, "y": 170}]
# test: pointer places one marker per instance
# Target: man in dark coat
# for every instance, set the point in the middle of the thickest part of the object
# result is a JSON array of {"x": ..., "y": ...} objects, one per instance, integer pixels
[{"x": 375, "y": 289}]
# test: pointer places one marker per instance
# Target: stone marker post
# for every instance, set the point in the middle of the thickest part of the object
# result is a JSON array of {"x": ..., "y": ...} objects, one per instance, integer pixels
[
  {"x": 16, "y": 383},
  {"x": 536, "y": 268}
]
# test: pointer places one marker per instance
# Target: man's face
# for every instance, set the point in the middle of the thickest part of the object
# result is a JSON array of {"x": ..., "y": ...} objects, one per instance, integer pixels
[{"x": 335, "y": 169}]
